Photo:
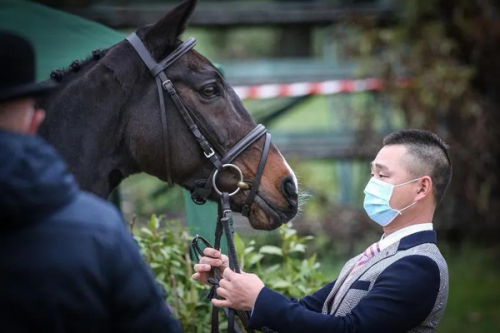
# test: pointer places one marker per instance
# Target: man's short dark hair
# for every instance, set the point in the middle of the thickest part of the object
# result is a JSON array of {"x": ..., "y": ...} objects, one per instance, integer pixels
[{"x": 429, "y": 156}]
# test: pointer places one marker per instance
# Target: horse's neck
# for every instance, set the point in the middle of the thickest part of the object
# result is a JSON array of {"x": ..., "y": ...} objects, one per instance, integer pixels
[{"x": 86, "y": 132}]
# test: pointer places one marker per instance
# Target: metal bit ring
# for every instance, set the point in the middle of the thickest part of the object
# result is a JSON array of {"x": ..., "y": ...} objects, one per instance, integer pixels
[{"x": 214, "y": 179}]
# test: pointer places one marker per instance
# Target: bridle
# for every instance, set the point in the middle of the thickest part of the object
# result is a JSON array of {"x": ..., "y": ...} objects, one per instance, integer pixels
[
  {"x": 214, "y": 152},
  {"x": 211, "y": 149}
]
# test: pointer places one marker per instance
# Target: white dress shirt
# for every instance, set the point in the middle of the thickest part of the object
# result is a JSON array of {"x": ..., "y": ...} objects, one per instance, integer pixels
[{"x": 387, "y": 241}]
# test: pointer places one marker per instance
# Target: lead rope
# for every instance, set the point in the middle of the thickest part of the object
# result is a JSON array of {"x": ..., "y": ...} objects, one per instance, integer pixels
[{"x": 224, "y": 226}]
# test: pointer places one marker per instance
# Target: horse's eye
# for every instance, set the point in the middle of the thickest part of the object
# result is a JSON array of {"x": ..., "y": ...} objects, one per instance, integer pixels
[{"x": 209, "y": 91}]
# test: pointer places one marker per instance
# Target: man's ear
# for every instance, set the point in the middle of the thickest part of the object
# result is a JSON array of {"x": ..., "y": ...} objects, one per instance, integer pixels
[
  {"x": 425, "y": 188},
  {"x": 164, "y": 34},
  {"x": 36, "y": 121}
]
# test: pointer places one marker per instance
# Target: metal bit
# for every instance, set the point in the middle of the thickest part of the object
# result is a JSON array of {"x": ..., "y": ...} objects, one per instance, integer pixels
[{"x": 243, "y": 185}]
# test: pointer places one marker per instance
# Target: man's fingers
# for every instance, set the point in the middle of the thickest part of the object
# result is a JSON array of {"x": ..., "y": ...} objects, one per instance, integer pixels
[
  {"x": 210, "y": 252},
  {"x": 211, "y": 261},
  {"x": 202, "y": 268},
  {"x": 224, "y": 284},
  {"x": 221, "y": 303},
  {"x": 221, "y": 291},
  {"x": 229, "y": 274},
  {"x": 196, "y": 276}
]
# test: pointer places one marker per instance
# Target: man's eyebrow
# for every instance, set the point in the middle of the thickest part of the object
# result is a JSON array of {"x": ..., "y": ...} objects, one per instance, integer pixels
[{"x": 378, "y": 166}]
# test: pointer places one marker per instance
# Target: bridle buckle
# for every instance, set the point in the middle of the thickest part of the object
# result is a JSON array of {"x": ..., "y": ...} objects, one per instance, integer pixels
[
  {"x": 210, "y": 154},
  {"x": 167, "y": 85}
]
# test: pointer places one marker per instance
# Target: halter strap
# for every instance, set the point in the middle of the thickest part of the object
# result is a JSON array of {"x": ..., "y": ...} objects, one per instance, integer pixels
[
  {"x": 179, "y": 52},
  {"x": 163, "y": 82},
  {"x": 258, "y": 176},
  {"x": 148, "y": 60},
  {"x": 204, "y": 187}
]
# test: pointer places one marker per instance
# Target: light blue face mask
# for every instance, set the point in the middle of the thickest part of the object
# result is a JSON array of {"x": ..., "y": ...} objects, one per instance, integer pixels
[{"x": 377, "y": 197}]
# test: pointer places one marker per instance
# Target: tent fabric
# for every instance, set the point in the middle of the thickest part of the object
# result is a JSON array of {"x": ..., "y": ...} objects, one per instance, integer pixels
[{"x": 58, "y": 37}]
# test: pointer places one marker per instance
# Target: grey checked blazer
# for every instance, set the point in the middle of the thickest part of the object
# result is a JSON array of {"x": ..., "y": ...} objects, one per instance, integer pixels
[
  {"x": 345, "y": 295},
  {"x": 404, "y": 288}
]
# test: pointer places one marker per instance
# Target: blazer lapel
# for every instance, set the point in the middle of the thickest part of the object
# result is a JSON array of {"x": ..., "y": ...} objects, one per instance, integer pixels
[{"x": 390, "y": 251}]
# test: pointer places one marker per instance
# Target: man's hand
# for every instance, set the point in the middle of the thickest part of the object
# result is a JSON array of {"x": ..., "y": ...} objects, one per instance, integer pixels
[
  {"x": 239, "y": 290},
  {"x": 213, "y": 258}
]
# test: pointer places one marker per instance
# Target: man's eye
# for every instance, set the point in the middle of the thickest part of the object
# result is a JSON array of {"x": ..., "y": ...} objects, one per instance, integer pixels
[
  {"x": 209, "y": 91},
  {"x": 382, "y": 176}
]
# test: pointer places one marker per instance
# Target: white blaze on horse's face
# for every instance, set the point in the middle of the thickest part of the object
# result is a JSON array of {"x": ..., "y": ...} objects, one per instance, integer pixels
[
  {"x": 295, "y": 181},
  {"x": 277, "y": 198}
]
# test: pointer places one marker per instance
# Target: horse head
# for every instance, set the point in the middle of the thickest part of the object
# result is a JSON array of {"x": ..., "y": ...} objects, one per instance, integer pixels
[{"x": 135, "y": 123}]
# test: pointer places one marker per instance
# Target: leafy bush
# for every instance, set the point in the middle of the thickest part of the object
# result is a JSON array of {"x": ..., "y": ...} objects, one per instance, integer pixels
[
  {"x": 166, "y": 249},
  {"x": 292, "y": 275}
]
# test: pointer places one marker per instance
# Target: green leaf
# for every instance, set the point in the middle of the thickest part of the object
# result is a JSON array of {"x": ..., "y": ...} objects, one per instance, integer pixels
[
  {"x": 269, "y": 249},
  {"x": 239, "y": 245},
  {"x": 249, "y": 249},
  {"x": 281, "y": 284},
  {"x": 272, "y": 269},
  {"x": 255, "y": 258},
  {"x": 298, "y": 248},
  {"x": 161, "y": 277},
  {"x": 153, "y": 223},
  {"x": 146, "y": 231},
  {"x": 289, "y": 233}
]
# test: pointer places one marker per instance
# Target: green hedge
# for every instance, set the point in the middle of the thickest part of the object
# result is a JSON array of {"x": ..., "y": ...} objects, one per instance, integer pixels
[{"x": 284, "y": 268}]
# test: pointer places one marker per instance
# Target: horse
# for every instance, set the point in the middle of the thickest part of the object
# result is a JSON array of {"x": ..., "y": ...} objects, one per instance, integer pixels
[{"x": 104, "y": 119}]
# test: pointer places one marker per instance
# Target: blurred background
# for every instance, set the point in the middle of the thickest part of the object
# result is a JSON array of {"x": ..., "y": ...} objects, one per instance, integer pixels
[{"x": 330, "y": 79}]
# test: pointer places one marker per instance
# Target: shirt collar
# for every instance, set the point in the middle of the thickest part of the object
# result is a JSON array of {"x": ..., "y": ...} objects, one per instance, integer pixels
[{"x": 396, "y": 236}]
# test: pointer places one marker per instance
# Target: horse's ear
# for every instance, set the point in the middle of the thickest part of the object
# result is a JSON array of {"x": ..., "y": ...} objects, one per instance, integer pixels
[{"x": 165, "y": 33}]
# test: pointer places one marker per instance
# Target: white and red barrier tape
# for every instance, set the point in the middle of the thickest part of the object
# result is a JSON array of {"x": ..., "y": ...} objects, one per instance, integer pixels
[{"x": 309, "y": 88}]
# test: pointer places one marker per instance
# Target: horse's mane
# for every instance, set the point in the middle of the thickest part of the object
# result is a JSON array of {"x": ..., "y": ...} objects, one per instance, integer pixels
[{"x": 76, "y": 65}]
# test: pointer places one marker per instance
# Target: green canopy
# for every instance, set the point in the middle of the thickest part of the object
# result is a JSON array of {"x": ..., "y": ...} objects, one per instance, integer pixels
[{"x": 59, "y": 38}]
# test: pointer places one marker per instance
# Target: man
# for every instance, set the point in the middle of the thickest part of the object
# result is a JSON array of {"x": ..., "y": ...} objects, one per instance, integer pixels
[
  {"x": 67, "y": 262},
  {"x": 399, "y": 284}
]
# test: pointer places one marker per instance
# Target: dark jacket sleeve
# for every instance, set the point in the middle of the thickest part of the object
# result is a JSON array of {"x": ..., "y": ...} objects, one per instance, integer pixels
[
  {"x": 136, "y": 300},
  {"x": 402, "y": 297}
]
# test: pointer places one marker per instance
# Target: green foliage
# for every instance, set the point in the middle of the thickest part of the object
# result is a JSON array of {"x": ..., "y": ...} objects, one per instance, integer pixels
[
  {"x": 284, "y": 269},
  {"x": 473, "y": 303},
  {"x": 166, "y": 249}
]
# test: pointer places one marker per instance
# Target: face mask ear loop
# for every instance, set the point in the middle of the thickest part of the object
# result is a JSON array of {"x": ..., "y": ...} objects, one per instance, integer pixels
[
  {"x": 400, "y": 212},
  {"x": 411, "y": 181}
]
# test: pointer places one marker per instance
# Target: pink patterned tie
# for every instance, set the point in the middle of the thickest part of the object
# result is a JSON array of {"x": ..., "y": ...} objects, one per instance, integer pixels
[
  {"x": 363, "y": 259},
  {"x": 369, "y": 253}
]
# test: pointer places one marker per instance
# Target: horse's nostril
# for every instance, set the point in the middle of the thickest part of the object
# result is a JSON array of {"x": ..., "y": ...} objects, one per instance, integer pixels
[{"x": 289, "y": 189}]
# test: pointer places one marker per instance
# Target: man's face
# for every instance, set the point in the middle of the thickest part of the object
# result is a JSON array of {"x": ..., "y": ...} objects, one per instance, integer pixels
[{"x": 391, "y": 166}]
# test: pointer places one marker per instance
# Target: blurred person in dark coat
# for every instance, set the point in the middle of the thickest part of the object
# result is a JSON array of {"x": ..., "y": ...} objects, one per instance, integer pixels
[
  {"x": 67, "y": 262},
  {"x": 399, "y": 284}
]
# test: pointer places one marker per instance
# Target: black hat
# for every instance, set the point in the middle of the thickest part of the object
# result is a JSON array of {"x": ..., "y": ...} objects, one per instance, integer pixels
[{"x": 17, "y": 69}]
